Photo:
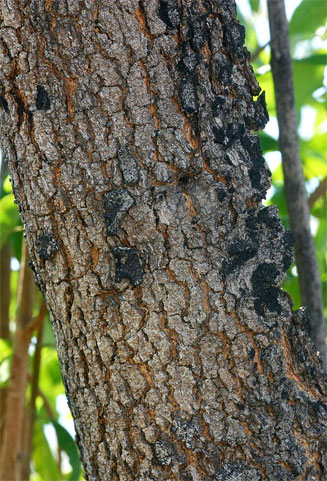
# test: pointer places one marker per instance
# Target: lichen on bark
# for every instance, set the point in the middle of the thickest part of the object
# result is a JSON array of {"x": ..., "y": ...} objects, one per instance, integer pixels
[{"x": 190, "y": 370}]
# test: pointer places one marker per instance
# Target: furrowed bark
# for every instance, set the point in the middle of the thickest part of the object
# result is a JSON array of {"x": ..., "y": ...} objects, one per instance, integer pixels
[
  {"x": 296, "y": 196},
  {"x": 129, "y": 133}
]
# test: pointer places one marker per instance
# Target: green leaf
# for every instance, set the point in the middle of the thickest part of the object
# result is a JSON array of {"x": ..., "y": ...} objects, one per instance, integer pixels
[
  {"x": 279, "y": 199},
  {"x": 291, "y": 285},
  {"x": 314, "y": 166},
  {"x": 307, "y": 78},
  {"x": 7, "y": 185},
  {"x": 307, "y": 17},
  {"x": 321, "y": 249},
  {"x": 266, "y": 83},
  {"x": 50, "y": 376},
  {"x": 278, "y": 175},
  {"x": 15, "y": 240},
  {"x": 5, "y": 349},
  {"x": 68, "y": 445},
  {"x": 255, "y": 5},
  {"x": 318, "y": 59},
  {"x": 48, "y": 337},
  {"x": 5, "y": 369},
  {"x": 9, "y": 217},
  {"x": 44, "y": 463},
  {"x": 268, "y": 143},
  {"x": 14, "y": 277}
]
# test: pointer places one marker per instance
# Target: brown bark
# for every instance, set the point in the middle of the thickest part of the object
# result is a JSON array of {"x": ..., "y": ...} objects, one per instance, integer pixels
[
  {"x": 4, "y": 290},
  {"x": 4, "y": 315},
  {"x": 15, "y": 397},
  {"x": 29, "y": 418},
  {"x": 320, "y": 191},
  {"x": 295, "y": 193},
  {"x": 139, "y": 182}
]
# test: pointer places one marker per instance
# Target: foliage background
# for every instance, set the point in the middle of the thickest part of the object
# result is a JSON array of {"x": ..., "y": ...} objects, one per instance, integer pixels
[{"x": 54, "y": 455}]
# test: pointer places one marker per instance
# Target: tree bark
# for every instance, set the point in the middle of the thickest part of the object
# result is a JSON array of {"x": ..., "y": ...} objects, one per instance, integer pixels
[
  {"x": 295, "y": 193},
  {"x": 128, "y": 128},
  {"x": 5, "y": 254}
]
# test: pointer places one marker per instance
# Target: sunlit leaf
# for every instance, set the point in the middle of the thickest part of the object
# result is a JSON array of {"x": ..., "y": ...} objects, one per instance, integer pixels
[
  {"x": 5, "y": 371},
  {"x": 307, "y": 17},
  {"x": 50, "y": 376},
  {"x": 277, "y": 175},
  {"x": 7, "y": 185},
  {"x": 291, "y": 285},
  {"x": 314, "y": 166},
  {"x": 48, "y": 337},
  {"x": 319, "y": 208},
  {"x": 9, "y": 217},
  {"x": 321, "y": 249},
  {"x": 266, "y": 83},
  {"x": 43, "y": 460},
  {"x": 255, "y": 5},
  {"x": 68, "y": 445},
  {"x": 14, "y": 276},
  {"x": 5, "y": 349},
  {"x": 307, "y": 79}
]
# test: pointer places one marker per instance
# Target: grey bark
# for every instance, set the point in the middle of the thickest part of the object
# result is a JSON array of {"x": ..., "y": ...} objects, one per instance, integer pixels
[
  {"x": 296, "y": 196},
  {"x": 129, "y": 133}
]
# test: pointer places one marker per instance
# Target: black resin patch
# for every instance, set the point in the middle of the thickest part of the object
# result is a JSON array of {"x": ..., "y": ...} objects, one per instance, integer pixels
[
  {"x": 235, "y": 35},
  {"x": 36, "y": 277},
  {"x": 46, "y": 246},
  {"x": 128, "y": 265},
  {"x": 264, "y": 292},
  {"x": 116, "y": 204},
  {"x": 42, "y": 98},
  {"x": 262, "y": 116},
  {"x": 169, "y": 12},
  {"x": 240, "y": 251}
]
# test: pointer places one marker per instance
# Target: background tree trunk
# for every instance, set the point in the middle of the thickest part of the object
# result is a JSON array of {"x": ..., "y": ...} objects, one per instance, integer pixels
[
  {"x": 129, "y": 133},
  {"x": 296, "y": 196}
]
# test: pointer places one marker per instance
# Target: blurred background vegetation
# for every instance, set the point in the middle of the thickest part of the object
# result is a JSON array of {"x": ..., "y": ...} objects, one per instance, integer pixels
[{"x": 49, "y": 431}]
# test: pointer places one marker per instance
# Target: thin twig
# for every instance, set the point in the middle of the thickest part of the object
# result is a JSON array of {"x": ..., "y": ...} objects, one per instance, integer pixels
[
  {"x": 319, "y": 192},
  {"x": 256, "y": 54},
  {"x": 30, "y": 410}
]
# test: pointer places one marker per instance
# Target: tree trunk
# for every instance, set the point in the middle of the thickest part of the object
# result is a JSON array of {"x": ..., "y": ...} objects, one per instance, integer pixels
[{"x": 129, "y": 132}]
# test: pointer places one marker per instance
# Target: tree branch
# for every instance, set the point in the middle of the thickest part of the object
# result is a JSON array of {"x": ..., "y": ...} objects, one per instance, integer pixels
[
  {"x": 15, "y": 400},
  {"x": 256, "y": 54},
  {"x": 319, "y": 192},
  {"x": 296, "y": 198},
  {"x": 30, "y": 411}
]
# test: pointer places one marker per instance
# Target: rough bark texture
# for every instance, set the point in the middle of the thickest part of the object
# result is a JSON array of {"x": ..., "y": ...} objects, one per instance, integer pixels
[
  {"x": 129, "y": 132},
  {"x": 296, "y": 196}
]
